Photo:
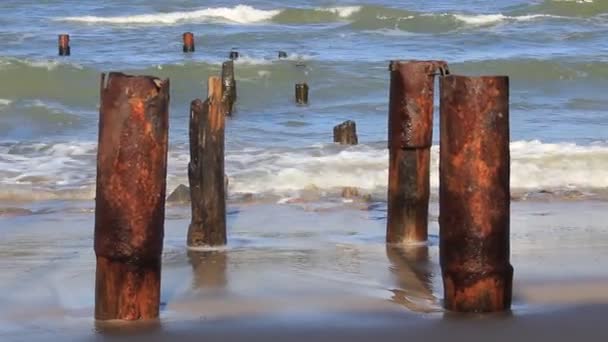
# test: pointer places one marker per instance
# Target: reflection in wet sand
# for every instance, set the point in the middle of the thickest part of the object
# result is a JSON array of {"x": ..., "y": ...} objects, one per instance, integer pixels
[
  {"x": 209, "y": 269},
  {"x": 411, "y": 267},
  {"x": 117, "y": 328}
]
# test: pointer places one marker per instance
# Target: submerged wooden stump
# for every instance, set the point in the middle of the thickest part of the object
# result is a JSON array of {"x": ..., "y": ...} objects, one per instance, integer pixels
[
  {"x": 188, "y": 38},
  {"x": 302, "y": 93},
  {"x": 346, "y": 133},
  {"x": 130, "y": 198},
  {"x": 228, "y": 87},
  {"x": 206, "y": 169},
  {"x": 64, "y": 45}
]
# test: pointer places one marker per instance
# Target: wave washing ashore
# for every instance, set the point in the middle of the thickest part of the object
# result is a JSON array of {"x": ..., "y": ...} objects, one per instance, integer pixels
[{"x": 302, "y": 261}]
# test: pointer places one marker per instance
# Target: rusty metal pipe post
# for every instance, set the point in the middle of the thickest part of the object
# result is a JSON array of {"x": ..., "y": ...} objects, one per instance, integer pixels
[
  {"x": 474, "y": 197},
  {"x": 410, "y": 136},
  {"x": 206, "y": 169},
  {"x": 188, "y": 39},
  {"x": 130, "y": 198},
  {"x": 64, "y": 45}
]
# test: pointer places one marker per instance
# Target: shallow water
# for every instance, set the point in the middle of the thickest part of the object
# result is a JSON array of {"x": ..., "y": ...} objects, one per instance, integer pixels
[{"x": 291, "y": 262}]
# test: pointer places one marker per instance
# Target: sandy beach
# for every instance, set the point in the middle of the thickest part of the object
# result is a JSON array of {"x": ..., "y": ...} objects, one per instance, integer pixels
[{"x": 306, "y": 271}]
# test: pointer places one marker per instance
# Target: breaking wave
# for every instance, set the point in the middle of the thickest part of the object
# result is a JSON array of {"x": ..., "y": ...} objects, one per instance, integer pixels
[
  {"x": 359, "y": 17},
  {"x": 67, "y": 170}
]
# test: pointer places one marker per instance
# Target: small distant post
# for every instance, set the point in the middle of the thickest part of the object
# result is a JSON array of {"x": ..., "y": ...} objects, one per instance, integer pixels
[
  {"x": 228, "y": 86},
  {"x": 346, "y": 133},
  {"x": 234, "y": 55},
  {"x": 206, "y": 169},
  {"x": 282, "y": 54},
  {"x": 188, "y": 38},
  {"x": 302, "y": 93},
  {"x": 474, "y": 197},
  {"x": 130, "y": 199},
  {"x": 64, "y": 45},
  {"x": 410, "y": 136}
]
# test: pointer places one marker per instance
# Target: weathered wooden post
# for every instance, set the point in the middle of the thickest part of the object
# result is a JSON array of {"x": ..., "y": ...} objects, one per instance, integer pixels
[
  {"x": 228, "y": 86},
  {"x": 234, "y": 55},
  {"x": 130, "y": 198},
  {"x": 64, "y": 45},
  {"x": 188, "y": 39},
  {"x": 410, "y": 136},
  {"x": 302, "y": 93},
  {"x": 474, "y": 196},
  {"x": 206, "y": 169},
  {"x": 346, "y": 133}
]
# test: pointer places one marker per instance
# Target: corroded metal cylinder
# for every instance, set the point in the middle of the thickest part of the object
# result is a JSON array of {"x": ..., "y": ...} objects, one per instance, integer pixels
[
  {"x": 64, "y": 45},
  {"x": 234, "y": 55},
  {"x": 410, "y": 136},
  {"x": 302, "y": 93},
  {"x": 474, "y": 193},
  {"x": 188, "y": 39},
  {"x": 130, "y": 198}
]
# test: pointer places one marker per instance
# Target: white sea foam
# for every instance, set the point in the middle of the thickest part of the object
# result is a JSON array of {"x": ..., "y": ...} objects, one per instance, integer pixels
[
  {"x": 61, "y": 170},
  {"x": 341, "y": 11},
  {"x": 534, "y": 166},
  {"x": 488, "y": 19},
  {"x": 249, "y": 60},
  {"x": 241, "y": 14},
  {"x": 5, "y": 102},
  {"x": 48, "y": 64}
]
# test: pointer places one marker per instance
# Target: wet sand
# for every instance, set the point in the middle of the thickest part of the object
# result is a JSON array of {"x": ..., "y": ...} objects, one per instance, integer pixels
[{"x": 307, "y": 271}]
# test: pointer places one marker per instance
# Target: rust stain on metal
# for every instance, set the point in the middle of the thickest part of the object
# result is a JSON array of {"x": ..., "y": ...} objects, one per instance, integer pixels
[
  {"x": 411, "y": 103},
  {"x": 130, "y": 200},
  {"x": 474, "y": 193},
  {"x": 410, "y": 136}
]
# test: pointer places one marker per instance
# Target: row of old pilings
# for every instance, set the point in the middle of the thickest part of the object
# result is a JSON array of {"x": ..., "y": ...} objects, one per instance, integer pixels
[
  {"x": 188, "y": 46},
  {"x": 474, "y": 162},
  {"x": 301, "y": 91},
  {"x": 474, "y": 182}
]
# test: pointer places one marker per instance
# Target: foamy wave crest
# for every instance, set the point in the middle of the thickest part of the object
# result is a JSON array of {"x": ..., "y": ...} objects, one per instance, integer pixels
[
  {"x": 241, "y": 14},
  {"x": 5, "y": 102},
  {"x": 48, "y": 64},
  {"x": 489, "y": 19},
  {"x": 249, "y": 60},
  {"x": 341, "y": 11},
  {"x": 535, "y": 166},
  {"x": 47, "y": 171},
  {"x": 61, "y": 170}
]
